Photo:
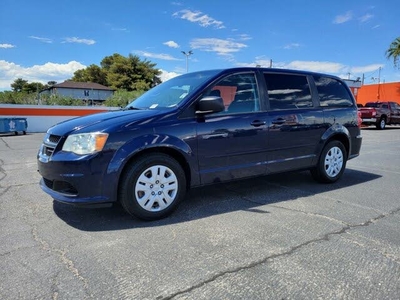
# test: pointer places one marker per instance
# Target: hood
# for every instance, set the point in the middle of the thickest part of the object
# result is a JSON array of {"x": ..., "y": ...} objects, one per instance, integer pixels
[{"x": 103, "y": 121}]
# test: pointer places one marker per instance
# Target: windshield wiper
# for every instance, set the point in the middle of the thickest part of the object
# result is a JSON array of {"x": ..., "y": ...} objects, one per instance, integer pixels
[{"x": 131, "y": 108}]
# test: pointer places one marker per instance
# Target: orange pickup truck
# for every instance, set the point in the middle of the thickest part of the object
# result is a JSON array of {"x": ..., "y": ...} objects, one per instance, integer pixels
[{"x": 380, "y": 114}]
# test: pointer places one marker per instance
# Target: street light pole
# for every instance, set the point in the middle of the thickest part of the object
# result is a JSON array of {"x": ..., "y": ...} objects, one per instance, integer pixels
[{"x": 187, "y": 54}]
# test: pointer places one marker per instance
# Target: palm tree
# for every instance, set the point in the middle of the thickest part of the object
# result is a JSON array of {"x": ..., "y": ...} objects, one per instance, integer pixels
[{"x": 394, "y": 52}]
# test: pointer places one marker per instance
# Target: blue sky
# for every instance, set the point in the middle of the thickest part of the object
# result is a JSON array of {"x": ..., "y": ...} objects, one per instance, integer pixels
[{"x": 49, "y": 40}]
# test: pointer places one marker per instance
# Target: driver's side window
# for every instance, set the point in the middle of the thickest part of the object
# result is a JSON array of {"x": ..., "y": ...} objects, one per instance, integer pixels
[{"x": 239, "y": 93}]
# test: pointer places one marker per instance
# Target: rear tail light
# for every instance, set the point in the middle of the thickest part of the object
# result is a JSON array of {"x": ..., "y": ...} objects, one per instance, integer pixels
[
  {"x": 359, "y": 120},
  {"x": 374, "y": 113}
]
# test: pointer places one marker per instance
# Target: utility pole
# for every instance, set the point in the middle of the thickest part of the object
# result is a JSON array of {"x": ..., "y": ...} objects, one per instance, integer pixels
[
  {"x": 379, "y": 75},
  {"x": 187, "y": 54}
]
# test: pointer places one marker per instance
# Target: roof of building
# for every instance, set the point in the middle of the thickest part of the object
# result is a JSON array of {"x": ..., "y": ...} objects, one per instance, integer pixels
[{"x": 81, "y": 85}]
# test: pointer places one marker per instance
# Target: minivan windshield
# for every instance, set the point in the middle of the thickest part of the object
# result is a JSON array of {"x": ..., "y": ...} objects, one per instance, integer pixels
[{"x": 173, "y": 92}]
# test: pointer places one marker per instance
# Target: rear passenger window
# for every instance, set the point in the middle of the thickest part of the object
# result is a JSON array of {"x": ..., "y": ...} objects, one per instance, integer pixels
[
  {"x": 332, "y": 92},
  {"x": 286, "y": 91}
]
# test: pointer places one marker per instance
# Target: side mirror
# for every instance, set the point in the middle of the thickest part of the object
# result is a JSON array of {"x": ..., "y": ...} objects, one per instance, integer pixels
[{"x": 210, "y": 104}]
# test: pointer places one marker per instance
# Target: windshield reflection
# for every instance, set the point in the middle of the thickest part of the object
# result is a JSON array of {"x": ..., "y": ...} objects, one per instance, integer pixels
[{"x": 173, "y": 92}]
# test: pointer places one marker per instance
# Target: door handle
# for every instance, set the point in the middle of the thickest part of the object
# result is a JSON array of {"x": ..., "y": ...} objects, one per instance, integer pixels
[
  {"x": 258, "y": 123},
  {"x": 278, "y": 121}
]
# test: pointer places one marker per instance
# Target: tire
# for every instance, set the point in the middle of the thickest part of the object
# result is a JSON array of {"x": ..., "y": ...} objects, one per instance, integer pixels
[
  {"x": 152, "y": 187},
  {"x": 381, "y": 124},
  {"x": 331, "y": 163}
]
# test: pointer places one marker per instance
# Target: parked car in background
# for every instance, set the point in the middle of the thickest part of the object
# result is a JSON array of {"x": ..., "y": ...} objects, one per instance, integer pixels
[
  {"x": 380, "y": 114},
  {"x": 202, "y": 128}
]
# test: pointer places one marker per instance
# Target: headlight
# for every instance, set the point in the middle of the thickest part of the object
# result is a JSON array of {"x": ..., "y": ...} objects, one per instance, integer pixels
[{"x": 85, "y": 143}]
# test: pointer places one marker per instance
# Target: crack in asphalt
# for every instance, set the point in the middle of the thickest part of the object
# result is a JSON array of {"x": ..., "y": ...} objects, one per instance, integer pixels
[
  {"x": 7, "y": 145},
  {"x": 3, "y": 174},
  {"x": 311, "y": 214},
  {"x": 69, "y": 264},
  {"x": 325, "y": 237}
]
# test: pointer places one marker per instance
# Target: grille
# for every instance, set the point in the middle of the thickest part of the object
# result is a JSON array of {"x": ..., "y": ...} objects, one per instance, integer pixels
[
  {"x": 49, "y": 144},
  {"x": 54, "y": 138},
  {"x": 48, "y": 150}
]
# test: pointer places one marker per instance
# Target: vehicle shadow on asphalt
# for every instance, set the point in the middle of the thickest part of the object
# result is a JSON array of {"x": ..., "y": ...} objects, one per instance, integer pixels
[{"x": 251, "y": 195}]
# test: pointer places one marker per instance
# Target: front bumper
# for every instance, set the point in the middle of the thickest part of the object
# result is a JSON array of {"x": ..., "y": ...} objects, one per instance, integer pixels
[
  {"x": 76, "y": 200},
  {"x": 76, "y": 179}
]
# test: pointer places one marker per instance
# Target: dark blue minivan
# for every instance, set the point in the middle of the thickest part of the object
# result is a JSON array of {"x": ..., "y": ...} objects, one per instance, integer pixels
[{"x": 202, "y": 128}]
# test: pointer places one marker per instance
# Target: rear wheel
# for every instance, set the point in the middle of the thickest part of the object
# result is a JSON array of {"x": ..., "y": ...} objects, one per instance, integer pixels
[
  {"x": 381, "y": 124},
  {"x": 152, "y": 187},
  {"x": 331, "y": 164}
]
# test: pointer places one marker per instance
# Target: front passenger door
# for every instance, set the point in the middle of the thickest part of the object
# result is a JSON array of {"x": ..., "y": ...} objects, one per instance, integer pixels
[{"x": 232, "y": 143}]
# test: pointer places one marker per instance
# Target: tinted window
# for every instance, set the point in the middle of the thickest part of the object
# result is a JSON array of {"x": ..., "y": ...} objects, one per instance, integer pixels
[
  {"x": 288, "y": 91},
  {"x": 239, "y": 93},
  {"x": 332, "y": 92}
]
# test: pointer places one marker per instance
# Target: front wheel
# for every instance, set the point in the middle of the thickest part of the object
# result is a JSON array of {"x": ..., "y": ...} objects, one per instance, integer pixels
[
  {"x": 331, "y": 164},
  {"x": 381, "y": 124},
  {"x": 152, "y": 187}
]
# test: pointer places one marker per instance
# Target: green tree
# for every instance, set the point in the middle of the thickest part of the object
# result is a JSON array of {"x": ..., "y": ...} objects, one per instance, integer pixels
[
  {"x": 33, "y": 87},
  {"x": 18, "y": 85},
  {"x": 9, "y": 97},
  {"x": 61, "y": 100},
  {"x": 93, "y": 73},
  {"x": 122, "y": 98},
  {"x": 129, "y": 73},
  {"x": 394, "y": 52}
]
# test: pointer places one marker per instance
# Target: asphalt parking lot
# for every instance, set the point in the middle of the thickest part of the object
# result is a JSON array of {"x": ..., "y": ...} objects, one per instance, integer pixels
[{"x": 276, "y": 237}]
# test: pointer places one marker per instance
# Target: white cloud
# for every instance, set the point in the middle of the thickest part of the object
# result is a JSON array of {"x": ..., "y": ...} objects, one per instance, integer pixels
[
  {"x": 338, "y": 69},
  {"x": 263, "y": 63},
  {"x": 198, "y": 17},
  {"x": 221, "y": 47},
  {"x": 165, "y": 75},
  {"x": 365, "y": 69},
  {"x": 245, "y": 37},
  {"x": 291, "y": 46},
  {"x": 316, "y": 66},
  {"x": 343, "y": 18},
  {"x": 10, "y": 71},
  {"x": 155, "y": 55},
  {"x": 365, "y": 18},
  {"x": 42, "y": 39},
  {"x": 122, "y": 29},
  {"x": 171, "y": 44},
  {"x": 6, "y": 46},
  {"x": 79, "y": 41}
]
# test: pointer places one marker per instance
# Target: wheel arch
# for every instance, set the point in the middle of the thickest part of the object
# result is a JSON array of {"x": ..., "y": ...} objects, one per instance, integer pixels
[
  {"x": 172, "y": 152},
  {"x": 144, "y": 145},
  {"x": 335, "y": 133}
]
